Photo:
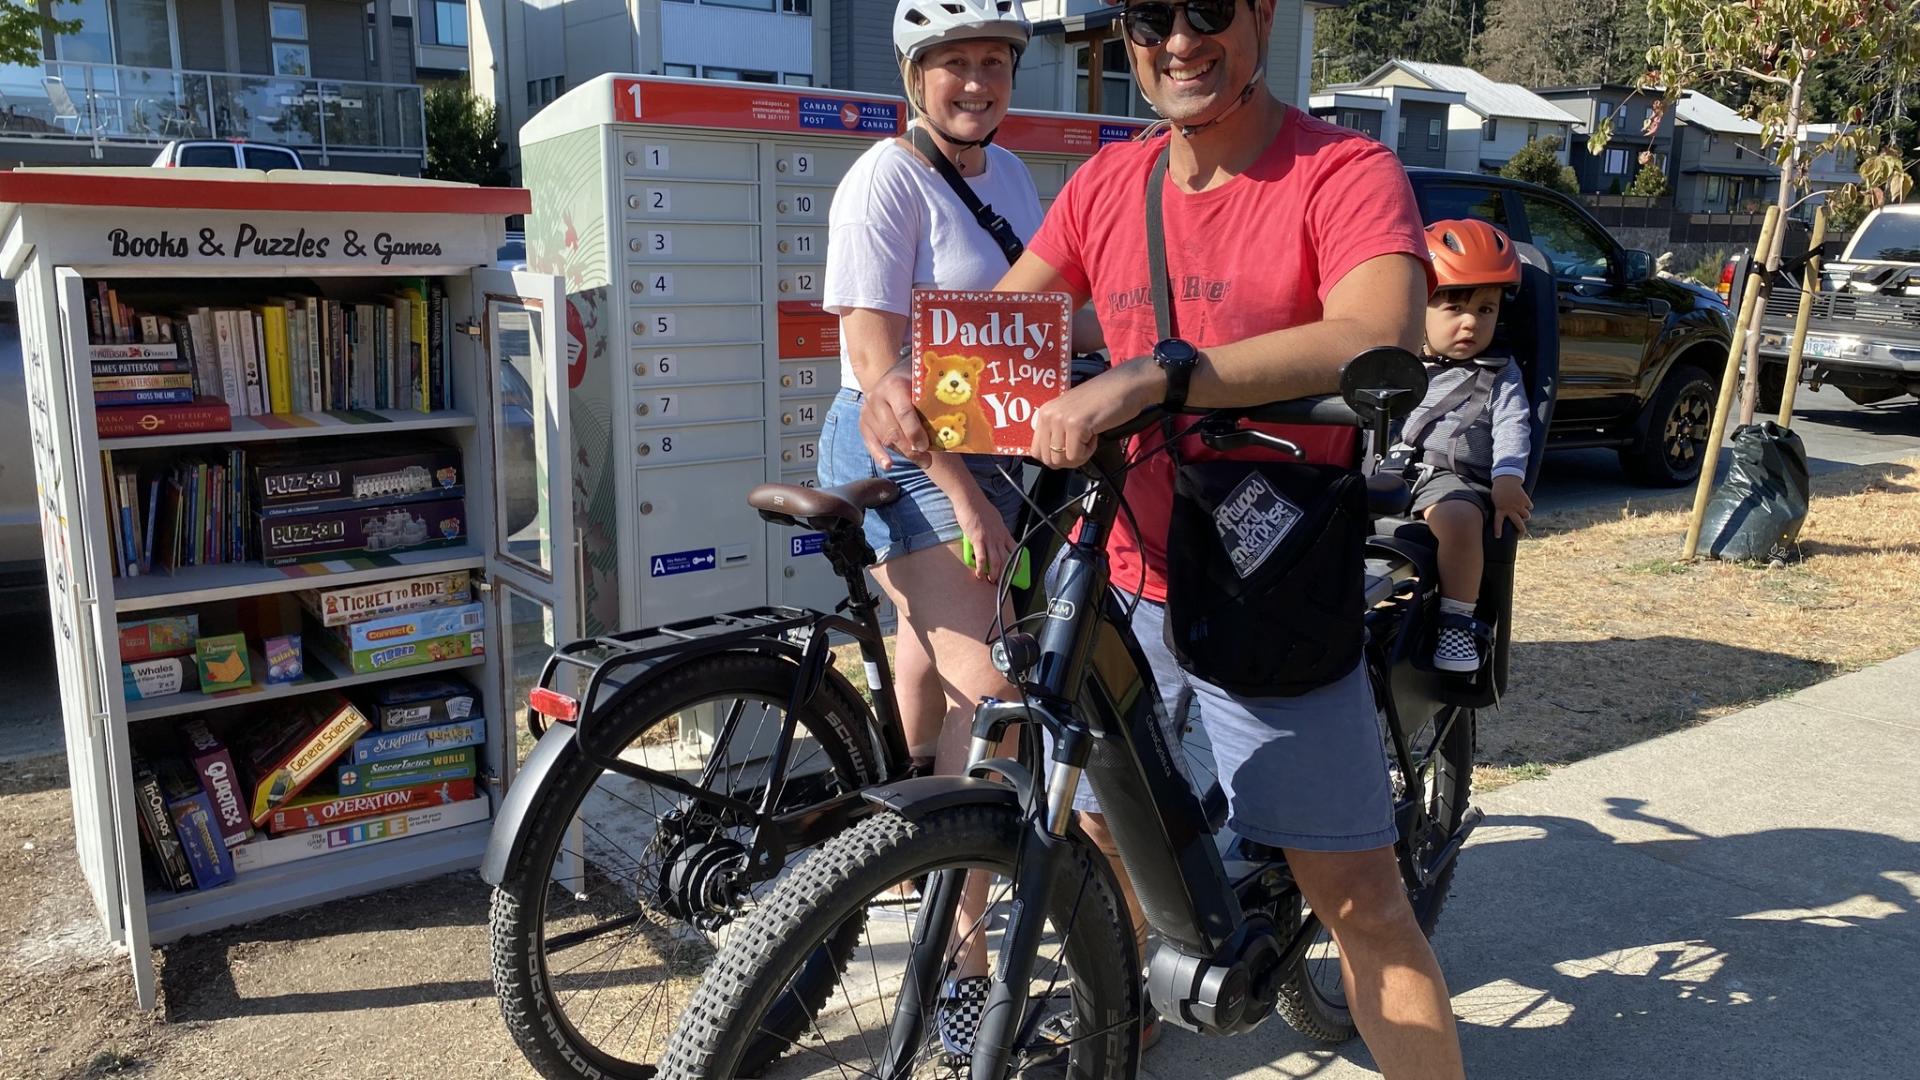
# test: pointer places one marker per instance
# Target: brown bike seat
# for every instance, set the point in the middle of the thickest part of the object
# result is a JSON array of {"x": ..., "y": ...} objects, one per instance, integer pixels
[{"x": 848, "y": 502}]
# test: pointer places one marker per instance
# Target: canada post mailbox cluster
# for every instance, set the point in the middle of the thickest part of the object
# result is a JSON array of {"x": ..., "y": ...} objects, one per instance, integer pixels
[{"x": 689, "y": 220}]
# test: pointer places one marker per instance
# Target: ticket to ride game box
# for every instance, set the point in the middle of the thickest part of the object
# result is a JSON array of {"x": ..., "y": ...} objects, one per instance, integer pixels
[{"x": 984, "y": 361}]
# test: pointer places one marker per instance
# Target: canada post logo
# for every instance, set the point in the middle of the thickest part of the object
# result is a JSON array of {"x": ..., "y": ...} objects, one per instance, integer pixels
[
  {"x": 1116, "y": 133},
  {"x": 837, "y": 114}
]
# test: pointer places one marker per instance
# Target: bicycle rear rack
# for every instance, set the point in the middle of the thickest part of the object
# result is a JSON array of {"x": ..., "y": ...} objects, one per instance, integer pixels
[{"x": 606, "y": 663}]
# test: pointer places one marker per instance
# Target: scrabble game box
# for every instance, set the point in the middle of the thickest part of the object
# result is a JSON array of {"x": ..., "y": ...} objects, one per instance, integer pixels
[{"x": 388, "y": 745}]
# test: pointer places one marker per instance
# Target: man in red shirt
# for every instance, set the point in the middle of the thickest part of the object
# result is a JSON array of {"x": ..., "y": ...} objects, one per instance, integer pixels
[{"x": 1291, "y": 245}]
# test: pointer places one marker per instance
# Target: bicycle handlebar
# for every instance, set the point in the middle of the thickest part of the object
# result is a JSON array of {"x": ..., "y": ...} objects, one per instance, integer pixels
[{"x": 1328, "y": 410}]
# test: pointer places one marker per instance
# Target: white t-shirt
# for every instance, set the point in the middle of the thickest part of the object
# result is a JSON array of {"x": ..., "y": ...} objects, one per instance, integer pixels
[{"x": 896, "y": 225}]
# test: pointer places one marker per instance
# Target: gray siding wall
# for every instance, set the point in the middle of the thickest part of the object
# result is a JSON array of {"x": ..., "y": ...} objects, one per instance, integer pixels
[
  {"x": 1419, "y": 116},
  {"x": 204, "y": 47},
  {"x": 862, "y": 47},
  {"x": 336, "y": 40}
]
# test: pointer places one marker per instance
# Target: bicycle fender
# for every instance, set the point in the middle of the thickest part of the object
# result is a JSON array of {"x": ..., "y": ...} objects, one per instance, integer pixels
[
  {"x": 529, "y": 785},
  {"x": 923, "y": 795}
]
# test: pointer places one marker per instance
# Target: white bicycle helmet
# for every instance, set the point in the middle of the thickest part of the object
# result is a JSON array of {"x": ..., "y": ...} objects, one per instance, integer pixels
[{"x": 919, "y": 25}]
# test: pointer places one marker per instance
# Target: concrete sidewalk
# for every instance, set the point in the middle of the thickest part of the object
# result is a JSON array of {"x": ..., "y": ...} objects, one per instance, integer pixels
[{"x": 1739, "y": 900}]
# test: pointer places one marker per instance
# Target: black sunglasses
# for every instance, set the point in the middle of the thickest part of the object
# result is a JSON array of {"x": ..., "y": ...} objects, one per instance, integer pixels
[{"x": 1151, "y": 23}]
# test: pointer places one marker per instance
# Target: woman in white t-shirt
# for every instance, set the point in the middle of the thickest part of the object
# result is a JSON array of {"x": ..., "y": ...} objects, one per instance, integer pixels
[{"x": 898, "y": 225}]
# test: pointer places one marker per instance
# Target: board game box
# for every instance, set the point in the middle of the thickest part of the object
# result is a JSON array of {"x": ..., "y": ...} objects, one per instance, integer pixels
[
  {"x": 409, "y": 627},
  {"x": 413, "y": 703},
  {"x": 207, "y": 856},
  {"x": 318, "y": 809},
  {"x": 310, "y": 480},
  {"x": 214, "y": 764},
  {"x": 984, "y": 361},
  {"x": 408, "y": 654},
  {"x": 379, "y": 530},
  {"x": 158, "y": 830},
  {"x": 338, "y": 607},
  {"x": 150, "y": 639},
  {"x": 387, "y": 745},
  {"x": 158, "y": 678},
  {"x": 288, "y": 753},
  {"x": 263, "y": 853},
  {"x": 462, "y": 764}
]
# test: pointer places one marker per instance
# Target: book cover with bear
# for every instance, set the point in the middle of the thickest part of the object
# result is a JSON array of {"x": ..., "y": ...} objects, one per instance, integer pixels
[{"x": 984, "y": 361}]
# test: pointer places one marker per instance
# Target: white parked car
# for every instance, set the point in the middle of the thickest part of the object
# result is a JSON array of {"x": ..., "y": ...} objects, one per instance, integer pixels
[{"x": 226, "y": 154}]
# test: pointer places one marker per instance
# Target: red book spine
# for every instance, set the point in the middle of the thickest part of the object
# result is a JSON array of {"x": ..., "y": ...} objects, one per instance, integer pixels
[{"x": 205, "y": 414}]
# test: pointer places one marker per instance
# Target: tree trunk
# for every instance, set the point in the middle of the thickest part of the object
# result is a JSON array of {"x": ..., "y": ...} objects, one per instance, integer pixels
[{"x": 1750, "y": 385}]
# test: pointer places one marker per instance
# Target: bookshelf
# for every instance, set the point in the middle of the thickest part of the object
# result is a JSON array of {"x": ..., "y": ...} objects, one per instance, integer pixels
[{"x": 445, "y": 237}]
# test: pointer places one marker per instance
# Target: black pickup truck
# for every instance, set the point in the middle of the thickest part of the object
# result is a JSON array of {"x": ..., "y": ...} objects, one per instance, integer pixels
[
  {"x": 1863, "y": 328},
  {"x": 1640, "y": 354}
]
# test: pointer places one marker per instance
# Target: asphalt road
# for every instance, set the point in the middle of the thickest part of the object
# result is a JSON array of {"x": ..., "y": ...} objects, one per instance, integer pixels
[{"x": 1837, "y": 433}]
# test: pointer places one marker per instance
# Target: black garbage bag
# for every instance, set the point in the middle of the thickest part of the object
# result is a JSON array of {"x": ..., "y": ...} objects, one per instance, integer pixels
[{"x": 1756, "y": 513}]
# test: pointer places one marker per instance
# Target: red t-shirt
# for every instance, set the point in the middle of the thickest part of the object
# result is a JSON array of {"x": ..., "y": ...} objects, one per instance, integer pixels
[{"x": 1257, "y": 254}]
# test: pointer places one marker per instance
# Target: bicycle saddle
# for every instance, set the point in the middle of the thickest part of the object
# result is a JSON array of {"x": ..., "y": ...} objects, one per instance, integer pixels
[{"x": 848, "y": 502}]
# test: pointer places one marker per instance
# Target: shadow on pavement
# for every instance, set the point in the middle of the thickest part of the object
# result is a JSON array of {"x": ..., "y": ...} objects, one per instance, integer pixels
[{"x": 1570, "y": 952}]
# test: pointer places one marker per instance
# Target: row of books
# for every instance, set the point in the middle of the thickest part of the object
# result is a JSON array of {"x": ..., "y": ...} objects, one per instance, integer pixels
[
  {"x": 197, "y": 511},
  {"x": 287, "y": 355}
]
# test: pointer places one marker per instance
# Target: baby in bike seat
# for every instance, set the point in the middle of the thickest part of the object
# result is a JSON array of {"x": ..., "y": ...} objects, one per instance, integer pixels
[{"x": 1464, "y": 449}]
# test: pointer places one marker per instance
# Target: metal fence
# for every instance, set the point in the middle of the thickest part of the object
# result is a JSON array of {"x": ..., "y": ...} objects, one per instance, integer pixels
[{"x": 112, "y": 103}]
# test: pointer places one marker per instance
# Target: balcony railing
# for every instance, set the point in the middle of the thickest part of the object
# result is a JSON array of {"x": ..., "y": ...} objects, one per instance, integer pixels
[{"x": 105, "y": 104}]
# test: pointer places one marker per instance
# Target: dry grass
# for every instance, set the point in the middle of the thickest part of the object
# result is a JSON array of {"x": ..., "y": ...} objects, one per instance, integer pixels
[{"x": 1616, "y": 640}]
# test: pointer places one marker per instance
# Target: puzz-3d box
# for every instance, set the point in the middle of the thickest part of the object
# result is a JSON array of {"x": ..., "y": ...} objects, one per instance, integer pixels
[
  {"x": 380, "y": 530},
  {"x": 983, "y": 362},
  {"x": 306, "y": 482}
]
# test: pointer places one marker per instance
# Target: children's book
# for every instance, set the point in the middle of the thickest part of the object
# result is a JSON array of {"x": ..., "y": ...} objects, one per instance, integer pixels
[{"x": 984, "y": 361}]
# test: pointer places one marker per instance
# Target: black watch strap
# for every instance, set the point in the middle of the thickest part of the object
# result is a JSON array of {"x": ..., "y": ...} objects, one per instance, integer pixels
[{"x": 1179, "y": 377}]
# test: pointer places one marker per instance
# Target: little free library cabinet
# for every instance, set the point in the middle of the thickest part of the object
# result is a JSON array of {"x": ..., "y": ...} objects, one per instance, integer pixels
[{"x": 255, "y": 394}]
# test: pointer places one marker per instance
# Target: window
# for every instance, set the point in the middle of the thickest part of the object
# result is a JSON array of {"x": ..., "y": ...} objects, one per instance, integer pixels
[
  {"x": 1490, "y": 129},
  {"x": 1739, "y": 151},
  {"x": 541, "y": 91},
  {"x": 1116, "y": 81},
  {"x": 1573, "y": 248},
  {"x": 797, "y": 80},
  {"x": 1716, "y": 189},
  {"x": 1616, "y": 164},
  {"x": 1445, "y": 202},
  {"x": 450, "y": 22},
  {"x": 268, "y": 157},
  {"x": 684, "y": 71},
  {"x": 740, "y": 75},
  {"x": 756, "y": 5},
  {"x": 1433, "y": 133},
  {"x": 1400, "y": 137},
  {"x": 1533, "y": 130},
  {"x": 1889, "y": 238},
  {"x": 797, "y": 7},
  {"x": 287, "y": 23},
  {"x": 205, "y": 156},
  {"x": 1712, "y": 140}
]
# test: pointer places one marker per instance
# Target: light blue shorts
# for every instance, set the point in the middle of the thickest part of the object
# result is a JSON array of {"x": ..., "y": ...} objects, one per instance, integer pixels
[
  {"x": 1307, "y": 772},
  {"x": 923, "y": 517}
]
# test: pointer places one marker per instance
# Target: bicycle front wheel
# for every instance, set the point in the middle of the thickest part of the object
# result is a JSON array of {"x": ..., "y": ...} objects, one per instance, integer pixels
[
  {"x": 1083, "y": 998},
  {"x": 623, "y": 890}
]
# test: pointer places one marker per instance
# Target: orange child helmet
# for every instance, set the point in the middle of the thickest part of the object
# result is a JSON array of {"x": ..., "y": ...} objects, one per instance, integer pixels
[{"x": 1468, "y": 253}]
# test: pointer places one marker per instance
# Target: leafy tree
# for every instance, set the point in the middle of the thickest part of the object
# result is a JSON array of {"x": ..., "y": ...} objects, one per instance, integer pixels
[
  {"x": 1649, "y": 182},
  {"x": 463, "y": 136},
  {"x": 1538, "y": 162},
  {"x": 1865, "y": 53},
  {"x": 20, "y": 27},
  {"x": 1353, "y": 41},
  {"x": 1564, "y": 42}
]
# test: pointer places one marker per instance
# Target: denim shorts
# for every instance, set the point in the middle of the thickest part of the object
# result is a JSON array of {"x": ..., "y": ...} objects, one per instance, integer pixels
[
  {"x": 1306, "y": 772},
  {"x": 923, "y": 516}
]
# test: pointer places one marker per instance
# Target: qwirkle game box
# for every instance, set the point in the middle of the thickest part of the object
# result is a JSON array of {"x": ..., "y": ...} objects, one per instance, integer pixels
[{"x": 983, "y": 362}]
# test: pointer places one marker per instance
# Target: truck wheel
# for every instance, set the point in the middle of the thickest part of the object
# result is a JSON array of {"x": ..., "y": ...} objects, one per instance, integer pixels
[
  {"x": 1673, "y": 430},
  {"x": 1773, "y": 388}
]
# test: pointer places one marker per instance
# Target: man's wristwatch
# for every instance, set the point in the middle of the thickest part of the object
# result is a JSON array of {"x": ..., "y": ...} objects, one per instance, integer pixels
[{"x": 1178, "y": 359}]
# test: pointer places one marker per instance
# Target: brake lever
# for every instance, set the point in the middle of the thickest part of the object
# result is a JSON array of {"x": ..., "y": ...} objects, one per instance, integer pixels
[{"x": 1238, "y": 438}]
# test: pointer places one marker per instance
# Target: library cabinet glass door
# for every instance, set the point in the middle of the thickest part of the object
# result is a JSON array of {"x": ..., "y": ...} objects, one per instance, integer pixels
[{"x": 532, "y": 557}]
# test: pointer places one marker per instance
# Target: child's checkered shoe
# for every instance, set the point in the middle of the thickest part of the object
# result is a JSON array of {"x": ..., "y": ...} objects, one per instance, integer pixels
[{"x": 959, "y": 1014}]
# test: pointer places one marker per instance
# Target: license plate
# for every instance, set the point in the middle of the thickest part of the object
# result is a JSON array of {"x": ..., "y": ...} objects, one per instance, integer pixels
[{"x": 1823, "y": 347}]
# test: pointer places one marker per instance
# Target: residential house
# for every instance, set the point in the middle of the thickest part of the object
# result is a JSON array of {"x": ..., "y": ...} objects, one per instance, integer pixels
[
  {"x": 333, "y": 78},
  {"x": 439, "y": 37},
  {"x": 526, "y": 54},
  {"x": 1826, "y": 171},
  {"x": 1487, "y": 126},
  {"x": 1718, "y": 164},
  {"x": 1416, "y": 118},
  {"x": 1630, "y": 109}
]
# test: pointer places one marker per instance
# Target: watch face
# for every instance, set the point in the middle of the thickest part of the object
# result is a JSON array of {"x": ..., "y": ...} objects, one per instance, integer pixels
[{"x": 1175, "y": 351}]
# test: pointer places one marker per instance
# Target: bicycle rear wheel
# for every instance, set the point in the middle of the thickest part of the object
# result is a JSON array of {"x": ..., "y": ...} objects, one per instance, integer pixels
[
  {"x": 1313, "y": 998},
  {"x": 593, "y": 953},
  {"x": 1083, "y": 1000}
]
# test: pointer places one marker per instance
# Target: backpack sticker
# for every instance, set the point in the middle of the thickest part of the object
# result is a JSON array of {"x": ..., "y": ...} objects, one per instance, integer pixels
[{"x": 1252, "y": 521}]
